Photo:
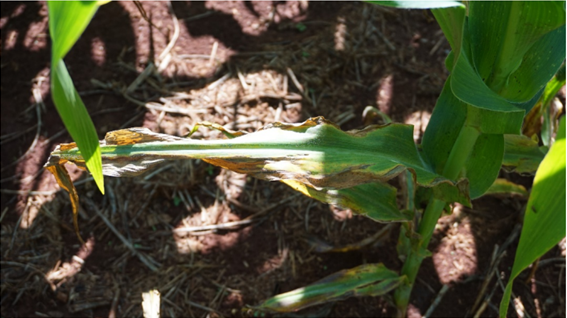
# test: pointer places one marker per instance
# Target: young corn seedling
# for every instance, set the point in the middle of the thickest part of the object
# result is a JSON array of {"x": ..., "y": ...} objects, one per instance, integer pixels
[{"x": 503, "y": 55}]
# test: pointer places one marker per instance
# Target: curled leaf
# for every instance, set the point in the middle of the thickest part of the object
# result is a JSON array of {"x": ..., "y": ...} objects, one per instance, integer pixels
[{"x": 65, "y": 182}]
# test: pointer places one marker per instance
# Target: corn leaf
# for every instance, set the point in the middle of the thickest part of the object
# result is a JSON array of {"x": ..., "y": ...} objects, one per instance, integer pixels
[
  {"x": 419, "y": 4},
  {"x": 517, "y": 46},
  {"x": 451, "y": 21},
  {"x": 486, "y": 110},
  {"x": 67, "y": 21},
  {"x": 364, "y": 280},
  {"x": 522, "y": 154},
  {"x": 375, "y": 200},
  {"x": 539, "y": 64},
  {"x": 65, "y": 182},
  {"x": 499, "y": 72},
  {"x": 544, "y": 220},
  {"x": 314, "y": 157},
  {"x": 449, "y": 115},
  {"x": 316, "y": 153},
  {"x": 503, "y": 186}
]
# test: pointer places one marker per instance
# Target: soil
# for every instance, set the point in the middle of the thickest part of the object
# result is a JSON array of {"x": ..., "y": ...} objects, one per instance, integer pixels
[{"x": 233, "y": 63}]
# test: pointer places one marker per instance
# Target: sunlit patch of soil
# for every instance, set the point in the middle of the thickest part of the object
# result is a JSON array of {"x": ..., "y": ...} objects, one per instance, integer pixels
[{"x": 455, "y": 257}]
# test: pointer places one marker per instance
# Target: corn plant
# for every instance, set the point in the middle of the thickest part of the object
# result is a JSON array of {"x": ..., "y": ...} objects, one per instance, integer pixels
[{"x": 503, "y": 55}]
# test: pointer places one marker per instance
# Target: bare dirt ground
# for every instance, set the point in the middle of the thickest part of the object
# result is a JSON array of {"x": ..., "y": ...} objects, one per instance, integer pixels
[{"x": 241, "y": 65}]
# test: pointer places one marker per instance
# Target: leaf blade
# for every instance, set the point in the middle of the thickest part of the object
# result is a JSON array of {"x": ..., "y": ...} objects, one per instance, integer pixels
[
  {"x": 364, "y": 280},
  {"x": 67, "y": 21},
  {"x": 77, "y": 120},
  {"x": 419, "y": 4},
  {"x": 545, "y": 213},
  {"x": 315, "y": 153}
]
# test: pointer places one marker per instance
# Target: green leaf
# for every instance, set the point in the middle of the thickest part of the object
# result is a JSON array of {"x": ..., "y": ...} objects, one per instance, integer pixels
[
  {"x": 451, "y": 20},
  {"x": 300, "y": 27},
  {"x": 544, "y": 219},
  {"x": 503, "y": 186},
  {"x": 67, "y": 21},
  {"x": 496, "y": 69},
  {"x": 522, "y": 154},
  {"x": 374, "y": 200},
  {"x": 501, "y": 32},
  {"x": 483, "y": 164},
  {"x": 419, "y": 4},
  {"x": 538, "y": 65},
  {"x": 450, "y": 61},
  {"x": 449, "y": 115},
  {"x": 487, "y": 111},
  {"x": 364, "y": 280},
  {"x": 77, "y": 120}
]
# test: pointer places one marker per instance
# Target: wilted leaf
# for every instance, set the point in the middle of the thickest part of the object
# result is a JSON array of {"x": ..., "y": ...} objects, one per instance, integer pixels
[
  {"x": 374, "y": 200},
  {"x": 364, "y": 280},
  {"x": 65, "y": 182},
  {"x": 314, "y": 157},
  {"x": 316, "y": 153},
  {"x": 522, "y": 154},
  {"x": 503, "y": 186}
]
